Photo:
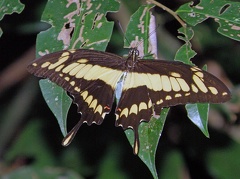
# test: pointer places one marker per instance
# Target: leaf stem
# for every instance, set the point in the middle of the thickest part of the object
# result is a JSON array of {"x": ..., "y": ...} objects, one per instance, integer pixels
[{"x": 174, "y": 14}]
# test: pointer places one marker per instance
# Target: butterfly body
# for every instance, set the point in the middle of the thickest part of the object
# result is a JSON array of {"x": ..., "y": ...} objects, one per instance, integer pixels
[{"x": 92, "y": 78}]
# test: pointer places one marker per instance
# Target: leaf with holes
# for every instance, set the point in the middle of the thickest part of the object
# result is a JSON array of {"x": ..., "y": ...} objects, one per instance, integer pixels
[
  {"x": 185, "y": 52},
  {"x": 226, "y": 13},
  {"x": 9, "y": 7},
  {"x": 141, "y": 34}
]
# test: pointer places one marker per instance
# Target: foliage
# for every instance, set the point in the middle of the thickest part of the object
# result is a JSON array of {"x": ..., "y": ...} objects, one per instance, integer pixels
[
  {"x": 9, "y": 7},
  {"x": 221, "y": 11},
  {"x": 75, "y": 25}
]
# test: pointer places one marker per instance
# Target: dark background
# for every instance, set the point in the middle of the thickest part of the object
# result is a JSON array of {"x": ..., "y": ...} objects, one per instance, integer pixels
[{"x": 30, "y": 136}]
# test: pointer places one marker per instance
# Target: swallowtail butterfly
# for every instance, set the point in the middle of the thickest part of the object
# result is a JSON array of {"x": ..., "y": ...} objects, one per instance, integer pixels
[{"x": 92, "y": 77}]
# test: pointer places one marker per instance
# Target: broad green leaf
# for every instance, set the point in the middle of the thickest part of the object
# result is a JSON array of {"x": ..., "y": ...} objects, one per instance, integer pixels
[
  {"x": 198, "y": 114},
  {"x": 58, "y": 101},
  {"x": 9, "y": 7},
  {"x": 138, "y": 31},
  {"x": 74, "y": 25},
  {"x": 225, "y": 12},
  {"x": 94, "y": 30},
  {"x": 149, "y": 135}
]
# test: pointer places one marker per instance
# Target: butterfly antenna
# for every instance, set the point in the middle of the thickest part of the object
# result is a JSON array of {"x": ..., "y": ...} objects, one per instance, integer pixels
[
  {"x": 121, "y": 28},
  {"x": 154, "y": 31}
]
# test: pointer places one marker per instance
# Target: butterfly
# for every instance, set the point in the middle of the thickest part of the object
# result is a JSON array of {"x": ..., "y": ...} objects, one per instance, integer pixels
[{"x": 144, "y": 87}]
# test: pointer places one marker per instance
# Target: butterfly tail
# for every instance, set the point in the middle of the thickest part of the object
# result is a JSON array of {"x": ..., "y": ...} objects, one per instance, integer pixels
[
  {"x": 136, "y": 142},
  {"x": 70, "y": 135}
]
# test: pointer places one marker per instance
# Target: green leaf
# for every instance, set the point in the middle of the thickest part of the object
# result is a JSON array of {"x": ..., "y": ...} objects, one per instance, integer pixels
[
  {"x": 74, "y": 25},
  {"x": 185, "y": 52},
  {"x": 198, "y": 114},
  {"x": 138, "y": 31},
  {"x": 149, "y": 135},
  {"x": 9, "y": 7},
  {"x": 95, "y": 31},
  {"x": 58, "y": 101},
  {"x": 226, "y": 13}
]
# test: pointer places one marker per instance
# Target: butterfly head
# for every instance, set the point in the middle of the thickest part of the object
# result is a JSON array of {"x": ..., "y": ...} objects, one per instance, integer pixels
[{"x": 132, "y": 58}]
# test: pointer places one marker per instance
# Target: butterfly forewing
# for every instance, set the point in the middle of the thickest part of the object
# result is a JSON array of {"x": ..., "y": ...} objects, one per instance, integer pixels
[{"x": 91, "y": 77}]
